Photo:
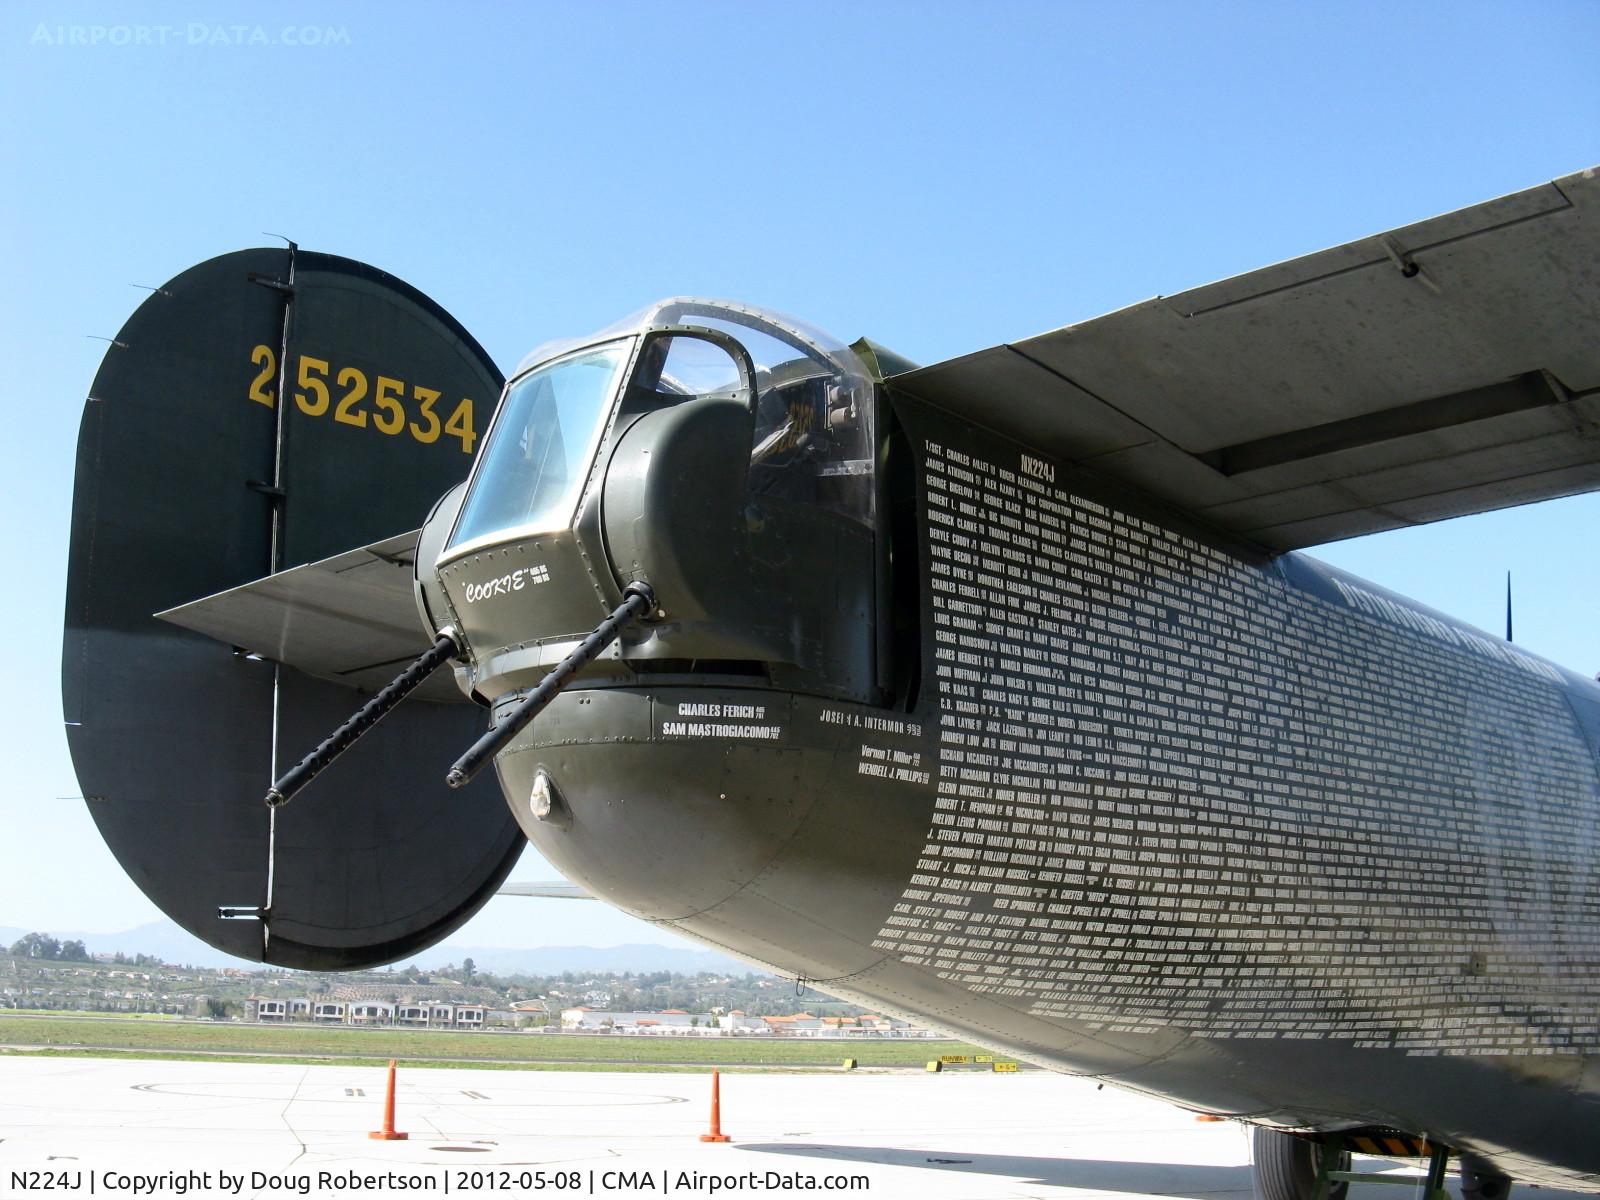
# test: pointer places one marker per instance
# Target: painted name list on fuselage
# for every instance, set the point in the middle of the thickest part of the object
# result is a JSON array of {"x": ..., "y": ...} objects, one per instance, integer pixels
[{"x": 1174, "y": 790}]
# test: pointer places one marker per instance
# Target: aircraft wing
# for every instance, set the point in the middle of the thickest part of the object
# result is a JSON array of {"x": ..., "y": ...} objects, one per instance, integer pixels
[
  {"x": 350, "y": 619},
  {"x": 1445, "y": 368},
  {"x": 560, "y": 890}
]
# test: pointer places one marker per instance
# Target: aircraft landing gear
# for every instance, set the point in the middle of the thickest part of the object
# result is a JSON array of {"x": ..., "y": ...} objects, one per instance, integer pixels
[
  {"x": 1286, "y": 1167},
  {"x": 1480, "y": 1182},
  {"x": 1297, "y": 1168}
]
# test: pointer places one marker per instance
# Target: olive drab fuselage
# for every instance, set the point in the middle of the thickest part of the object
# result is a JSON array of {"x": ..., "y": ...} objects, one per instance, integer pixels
[{"x": 986, "y": 745}]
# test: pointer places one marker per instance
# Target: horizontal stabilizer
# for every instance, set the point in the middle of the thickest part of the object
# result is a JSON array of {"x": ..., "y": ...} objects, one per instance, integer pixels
[
  {"x": 350, "y": 619},
  {"x": 1446, "y": 368},
  {"x": 560, "y": 890}
]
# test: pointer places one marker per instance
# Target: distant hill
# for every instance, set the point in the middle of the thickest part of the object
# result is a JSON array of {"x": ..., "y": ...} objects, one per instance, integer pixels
[
  {"x": 163, "y": 939},
  {"x": 170, "y": 943},
  {"x": 551, "y": 960}
]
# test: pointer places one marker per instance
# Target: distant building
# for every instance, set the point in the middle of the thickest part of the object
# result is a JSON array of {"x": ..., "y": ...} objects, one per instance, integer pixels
[
  {"x": 584, "y": 1017},
  {"x": 369, "y": 1013},
  {"x": 798, "y": 1023},
  {"x": 260, "y": 1008},
  {"x": 876, "y": 1024}
]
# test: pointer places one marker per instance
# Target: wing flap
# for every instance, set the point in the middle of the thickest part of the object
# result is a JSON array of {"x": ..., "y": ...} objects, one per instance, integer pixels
[
  {"x": 1440, "y": 369},
  {"x": 350, "y": 619},
  {"x": 1428, "y": 235}
]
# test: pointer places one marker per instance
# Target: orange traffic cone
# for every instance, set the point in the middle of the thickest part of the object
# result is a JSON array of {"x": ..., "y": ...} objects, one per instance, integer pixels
[
  {"x": 716, "y": 1134},
  {"x": 387, "y": 1133}
]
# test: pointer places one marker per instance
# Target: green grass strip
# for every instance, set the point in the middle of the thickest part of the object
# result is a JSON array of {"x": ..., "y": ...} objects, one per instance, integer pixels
[{"x": 302, "y": 1042}]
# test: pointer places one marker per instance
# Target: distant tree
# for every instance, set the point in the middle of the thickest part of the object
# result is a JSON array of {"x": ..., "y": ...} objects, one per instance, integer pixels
[
  {"x": 468, "y": 969},
  {"x": 74, "y": 951},
  {"x": 216, "y": 1008},
  {"x": 36, "y": 945}
]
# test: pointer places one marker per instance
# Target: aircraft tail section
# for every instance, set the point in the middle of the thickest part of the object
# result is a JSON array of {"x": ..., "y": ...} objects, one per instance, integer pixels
[{"x": 256, "y": 418}]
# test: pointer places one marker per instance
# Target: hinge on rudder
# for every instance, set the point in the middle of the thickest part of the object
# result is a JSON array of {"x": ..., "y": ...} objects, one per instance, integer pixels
[
  {"x": 267, "y": 281},
  {"x": 251, "y": 912},
  {"x": 257, "y": 912}
]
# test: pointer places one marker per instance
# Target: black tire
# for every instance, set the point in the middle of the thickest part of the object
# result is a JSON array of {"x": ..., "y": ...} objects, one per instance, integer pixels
[
  {"x": 1285, "y": 1167},
  {"x": 1481, "y": 1182}
]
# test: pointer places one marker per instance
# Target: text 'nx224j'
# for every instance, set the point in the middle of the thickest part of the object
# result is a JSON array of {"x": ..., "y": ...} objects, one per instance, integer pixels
[{"x": 990, "y": 693}]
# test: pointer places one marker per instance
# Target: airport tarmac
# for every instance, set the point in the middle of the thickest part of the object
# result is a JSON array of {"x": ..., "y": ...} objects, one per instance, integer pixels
[{"x": 280, "y": 1130}]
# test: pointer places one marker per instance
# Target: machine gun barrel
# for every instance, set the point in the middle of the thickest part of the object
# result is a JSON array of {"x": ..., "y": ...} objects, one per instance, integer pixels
[
  {"x": 638, "y": 599},
  {"x": 369, "y": 714}
]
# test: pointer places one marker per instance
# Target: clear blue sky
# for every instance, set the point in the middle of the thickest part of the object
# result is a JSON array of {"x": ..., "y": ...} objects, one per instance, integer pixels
[{"x": 940, "y": 177}]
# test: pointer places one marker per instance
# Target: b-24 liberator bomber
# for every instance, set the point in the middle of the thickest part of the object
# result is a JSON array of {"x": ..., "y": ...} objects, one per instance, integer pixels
[{"x": 992, "y": 693}]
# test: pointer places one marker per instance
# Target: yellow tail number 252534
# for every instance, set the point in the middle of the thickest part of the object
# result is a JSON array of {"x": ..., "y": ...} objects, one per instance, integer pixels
[{"x": 352, "y": 399}]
